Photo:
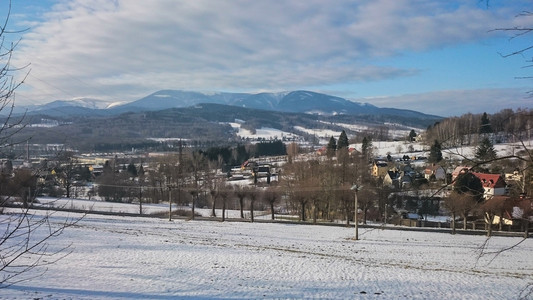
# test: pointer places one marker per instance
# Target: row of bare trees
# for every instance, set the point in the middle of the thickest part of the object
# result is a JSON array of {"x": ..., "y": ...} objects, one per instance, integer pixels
[
  {"x": 320, "y": 188},
  {"x": 507, "y": 125},
  {"x": 316, "y": 187}
]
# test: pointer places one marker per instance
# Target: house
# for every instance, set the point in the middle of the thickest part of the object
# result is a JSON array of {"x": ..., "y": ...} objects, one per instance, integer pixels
[
  {"x": 322, "y": 151},
  {"x": 500, "y": 210},
  {"x": 459, "y": 170},
  {"x": 494, "y": 184},
  {"x": 406, "y": 180},
  {"x": 523, "y": 208},
  {"x": 515, "y": 212},
  {"x": 515, "y": 176},
  {"x": 380, "y": 168},
  {"x": 407, "y": 169},
  {"x": 435, "y": 171},
  {"x": 392, "y": 179}
]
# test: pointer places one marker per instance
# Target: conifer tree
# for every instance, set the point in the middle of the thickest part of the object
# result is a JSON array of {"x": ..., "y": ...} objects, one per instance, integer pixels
[
  {"x": 468, "y": 183},
  {"x": 485, "y": 151},
  {"x": 343, "y": 142},
  {"x": 132, "y": 170},
  {"x": 485, "y": 124},
  {"x": 331, "y": 147},
  {"x": 412, "y": 135},
  {"x": 435, "y": 153},
  {"x": 366, "y": 147}
]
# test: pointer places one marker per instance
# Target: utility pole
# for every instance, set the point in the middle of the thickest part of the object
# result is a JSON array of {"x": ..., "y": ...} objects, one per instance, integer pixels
[
  {"x": 140, "y": 179},
  {"x": 356, "y": 188},
  {"x": 169, "y": 203},
  {"x": 140, "y": 200},
  {"x": 180, "y": 171}
]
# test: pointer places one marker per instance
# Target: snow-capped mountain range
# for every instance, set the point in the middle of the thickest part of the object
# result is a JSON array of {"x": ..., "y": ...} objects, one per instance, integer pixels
[{"x": 294, "y": 101}]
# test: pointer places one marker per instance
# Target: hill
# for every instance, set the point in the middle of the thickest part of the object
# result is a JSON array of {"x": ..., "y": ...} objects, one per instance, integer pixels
[
  {"x": 295, "y": 102},
  {"x": 133, "y": 258},
  {"x": 204, "y": 123}
]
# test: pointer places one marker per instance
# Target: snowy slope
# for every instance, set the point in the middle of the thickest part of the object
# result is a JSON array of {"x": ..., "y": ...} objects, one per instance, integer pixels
[{"x": 139, "y": 258}]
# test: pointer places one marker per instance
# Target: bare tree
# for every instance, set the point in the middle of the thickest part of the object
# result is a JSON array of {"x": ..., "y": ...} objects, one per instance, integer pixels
[
  {"x": 24, "y": 245},
  {"x": 271, "y": 195},
  {"x": 224, "y": 194},
  {"x": 292, "y": 151},
  {"x": 253, "y": 195},
  {"x": 64, "y": 171},
  {"x": 240, "y": 192},
  {"x": 328, "y": 185},
  {"x": 459, "y": 204},
  {"x": 10, "y": 125},
  {"x": 25, "y": 235},
  {"x": 366, "y": 200},
  {"x": 197, "y": 167}
]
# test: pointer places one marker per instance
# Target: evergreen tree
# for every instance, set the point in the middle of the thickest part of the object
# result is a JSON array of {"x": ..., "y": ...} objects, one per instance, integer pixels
[
  {"x": 331, "y": 147},
  {"x": 240, "y": 154},
  {"x": 141, "y": 170},
  {"x": 132, "y": 170},
  {"x": 343, "y": 142},
  {"x": 470, "y": 184},
  {"x": 485, "y": 124},
  {"x": 270, "y": 148},
  {"x": 412, "y": 135},
  {"x": 435, "y": 152},
  {"x": 366, "y": 147},
  {"x": 485, "y": 150}
]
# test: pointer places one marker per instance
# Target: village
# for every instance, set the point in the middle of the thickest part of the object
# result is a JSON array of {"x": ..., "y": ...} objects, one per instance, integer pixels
[{"x": 402, "y": 186}]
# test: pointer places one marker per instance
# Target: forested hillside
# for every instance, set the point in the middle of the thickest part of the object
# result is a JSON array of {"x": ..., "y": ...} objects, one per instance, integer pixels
[
  {"x": 202, "y": 124},
  {"x": 504, "y": 126}
]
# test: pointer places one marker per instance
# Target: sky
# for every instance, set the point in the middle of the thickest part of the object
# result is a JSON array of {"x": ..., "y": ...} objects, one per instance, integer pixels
[{"x": 436, "y": 57}]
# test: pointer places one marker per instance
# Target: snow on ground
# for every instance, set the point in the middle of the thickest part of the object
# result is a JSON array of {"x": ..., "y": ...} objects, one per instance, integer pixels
[
  {"x": 400, "y": 148},
  {"x": 127, "y": 208},
  {"x": 262, "y": 133},
  {"x": 354, "y": 127},
  {"x": 133, "y": 258},
  {"x": 324, "y": 134},
  {"x": 102, "y": 206}
]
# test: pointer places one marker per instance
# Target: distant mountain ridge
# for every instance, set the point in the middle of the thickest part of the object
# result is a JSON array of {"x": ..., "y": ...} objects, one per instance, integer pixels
[
  {"x": 295, "y": 102},
  {"x": 81, "y": 102}
]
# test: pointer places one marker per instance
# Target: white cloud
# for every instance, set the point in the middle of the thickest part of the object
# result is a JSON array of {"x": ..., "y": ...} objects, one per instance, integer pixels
[{"x": 121, "y": 50}]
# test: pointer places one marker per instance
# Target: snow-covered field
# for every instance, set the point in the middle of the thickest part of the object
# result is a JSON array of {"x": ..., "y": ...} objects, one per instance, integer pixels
[
  {"x": 128, "y": 208},
  {"x": 265, "y": 133},
  {"x": 148, "y": 258},
  {"x": 400, "y": 148}
]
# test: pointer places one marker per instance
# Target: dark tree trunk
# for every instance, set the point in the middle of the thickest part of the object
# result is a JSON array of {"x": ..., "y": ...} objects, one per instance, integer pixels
[
  {"x": 315, "y": 211},
  {"x": 252, "y": 211},
  {"x": 302, "y": 213},
  {"x": 241, "y": 204},
  {"x": 453, "y": 223},
  {"x": 213, "y": 212},
  {"x": 193, "y": 205},
  {"x": 223, "y": 210},
  {"x": 526, "y": 229}
]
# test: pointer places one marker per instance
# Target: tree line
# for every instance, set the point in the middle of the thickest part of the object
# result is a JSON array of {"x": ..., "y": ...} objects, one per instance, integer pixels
[{"x": 505, "y": 126}]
